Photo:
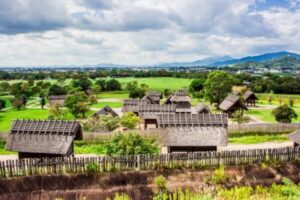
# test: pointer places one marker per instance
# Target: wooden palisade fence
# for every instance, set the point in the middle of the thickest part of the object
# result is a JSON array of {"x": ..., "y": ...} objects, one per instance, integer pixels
[{"x": 11, "y": 168}]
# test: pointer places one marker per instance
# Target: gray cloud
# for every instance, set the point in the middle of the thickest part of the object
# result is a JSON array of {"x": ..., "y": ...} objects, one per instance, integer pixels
[
  {"x": 96, "y": 4},
  {"x": 19, "y": 16}
]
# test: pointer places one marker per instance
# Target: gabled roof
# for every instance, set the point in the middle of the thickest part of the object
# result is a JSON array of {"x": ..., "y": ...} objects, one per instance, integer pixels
[
  {"x": 231, "y": 101},
  {"x": 150, "y": 99},
  {"x": 191, "y": 120},
  {"x": 157, "y": 108},
  {"x": 202, "y": 108},
  {"x": 150, "y": 111},
  {"x": 106, "y": 110},
  {"x": 132, "y": 105},
  {"x": 178, "y": 96},
  {"x": 154, "y": 95},
  {"x": 57, "y": 97},
  {"x": 46, "y": 136},
  {"x": 295, "y": 136},
  {"x": 249, "y": 94}
]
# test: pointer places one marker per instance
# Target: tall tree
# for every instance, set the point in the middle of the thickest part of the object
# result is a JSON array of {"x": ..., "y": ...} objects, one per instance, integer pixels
[{"x": 217, "y": 85}]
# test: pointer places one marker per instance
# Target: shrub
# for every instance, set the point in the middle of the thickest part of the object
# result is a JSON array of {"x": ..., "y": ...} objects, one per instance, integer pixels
[
  {"x": 130, "y": 120},
  {"x": 160, "y": 182},
  {"x": 130, "y": 144},
  {"x": 92, "y": 167},
  {"x": 284, "y": 114}
]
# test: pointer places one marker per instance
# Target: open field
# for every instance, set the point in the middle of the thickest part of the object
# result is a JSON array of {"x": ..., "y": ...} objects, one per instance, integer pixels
[
  {"x": 262, "y": 113},
  {"x": 156, "y": 83}
]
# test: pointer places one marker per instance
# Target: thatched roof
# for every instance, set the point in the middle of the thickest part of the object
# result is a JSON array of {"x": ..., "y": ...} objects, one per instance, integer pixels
[
  {"x": 150, "y": 99},
  {"x": 46, "y": 137},
  {"x": 150, "y": 111},
  {"x": 249, "y": 94},
  {"x": 178, "y": 96},
  {"x": 132, "y": 105},
  {"x": 156, "y": 96},
  {"x": 295, "y": 136},
  {"x": 106, "y": 110},
  {"x": 195, "y": 136},
  {"x": 232, "y": 101},
  {"x": 191, "y": 120},
  {"x": 157, "y": 108},
  {"x": 57, "y": 97},
  {"x": 202, "y": 108}
]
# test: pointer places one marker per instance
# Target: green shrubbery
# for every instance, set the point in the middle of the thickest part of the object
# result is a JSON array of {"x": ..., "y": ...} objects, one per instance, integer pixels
[{"x": 131, "y": 144}]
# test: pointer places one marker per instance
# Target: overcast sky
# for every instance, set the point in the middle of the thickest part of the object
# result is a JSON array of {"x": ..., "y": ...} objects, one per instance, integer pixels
[{"x": 67, "y": 32}]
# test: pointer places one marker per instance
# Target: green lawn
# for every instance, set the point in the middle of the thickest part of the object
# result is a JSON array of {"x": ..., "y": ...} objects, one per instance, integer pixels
[
  {"x": 111, "y": 104},
  {"x": 113, "y": 95},
  {"x": 159, "y": 83},
  {"x": 81, "y": 147},
  {"x": 266, "y": 114},
  {"x": 6, "y": 117},
  {"x": 255, "y": 139}
]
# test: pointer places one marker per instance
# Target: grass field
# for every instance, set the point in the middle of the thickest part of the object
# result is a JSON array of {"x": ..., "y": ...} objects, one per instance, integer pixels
[
  {"x": 6, "y": 117},
  {"x": 265, "y": 115},
  {"x": 254, "y": 139},
  {"x": 111, "y": 104},
  {"x": 156, "y": 83}
]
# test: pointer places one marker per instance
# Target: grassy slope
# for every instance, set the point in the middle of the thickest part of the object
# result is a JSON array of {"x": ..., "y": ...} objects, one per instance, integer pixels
[{"x": 7, "y": 116}]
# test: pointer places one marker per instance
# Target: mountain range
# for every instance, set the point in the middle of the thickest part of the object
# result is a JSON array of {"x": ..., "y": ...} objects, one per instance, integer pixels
[{"x": 227, "y": 60}]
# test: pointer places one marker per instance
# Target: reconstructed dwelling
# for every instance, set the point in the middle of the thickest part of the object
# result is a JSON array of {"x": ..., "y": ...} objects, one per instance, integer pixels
[
  {"x": 106, "y": 110},
  {"x": 184, "y": 132},
  {"x": 148, "y": 113},
  {"x": 231, "y": 104},
  {"x": 295, "y": 137},
  {"x": 181, "y": 99},
  {"x": 250, "y": 98},
  {"x": 132, "y": 105},
  {"x": 47, "y": 138},
  {"x": 155, "y": 96},
  {"x": 57, "y": 100},
  {"x": 201, "y": 108}
]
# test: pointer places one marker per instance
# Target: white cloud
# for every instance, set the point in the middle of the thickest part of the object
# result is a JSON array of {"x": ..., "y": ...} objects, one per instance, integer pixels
[{"x": 68, "y": 32}]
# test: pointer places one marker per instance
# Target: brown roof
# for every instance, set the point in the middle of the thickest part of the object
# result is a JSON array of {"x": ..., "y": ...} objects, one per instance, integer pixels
[
  {"x": 248, "y": 94},
  {"x": 154, "y": 95},
  {"x": 231, "y": 101},
  {"x": 132, "y": 105},
  {"x": 151, "y": 111},
  {"x": 295, "y": 136},
  {"x": 106, "y": 110},
  {"x": 157, "y": 108},
  {"x": 201, "y": 107},
  {"x": 178, "y": 96},
  {"x": 46, "y": 136},
  {"x": 57, "y": 97},
  {"x": 191, "y": 120}
]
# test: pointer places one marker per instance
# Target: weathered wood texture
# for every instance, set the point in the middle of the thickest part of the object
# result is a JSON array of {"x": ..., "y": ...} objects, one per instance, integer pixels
[
  {"x": 263, "y": 127},
  {"x": 11, "y": 168}
]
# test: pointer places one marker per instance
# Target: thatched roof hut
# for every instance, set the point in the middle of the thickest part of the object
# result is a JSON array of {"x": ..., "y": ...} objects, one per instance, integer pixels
[
  {"x": 155, "y": 96},
  {"x": 181, "y": 99},
  {"x": 132, "y": 105},
  {"x": 250, "y": 98},
  {"x": 106, "y": 110},
  {"x": 57, "y": 100},
  {"x": 232, "y": 103},
  {"x": 192, "y": 132},
  {"x": 43, "y": 138},
  {"x": 201, "y": 108}
]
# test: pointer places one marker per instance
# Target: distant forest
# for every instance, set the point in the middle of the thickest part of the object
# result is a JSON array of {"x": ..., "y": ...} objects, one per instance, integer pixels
[{"x": 262, "y": 84}]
